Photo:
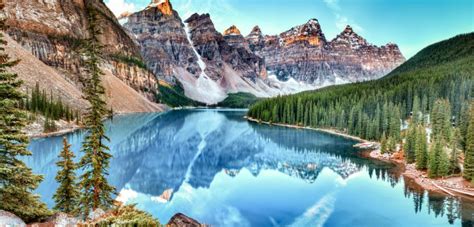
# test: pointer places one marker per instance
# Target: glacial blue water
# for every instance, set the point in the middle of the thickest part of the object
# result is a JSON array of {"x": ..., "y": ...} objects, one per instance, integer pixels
[{"x": 218, "y": 168}]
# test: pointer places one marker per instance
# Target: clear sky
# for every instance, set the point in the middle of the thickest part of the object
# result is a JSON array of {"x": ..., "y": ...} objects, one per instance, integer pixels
[{"x": 412, "y": 24}]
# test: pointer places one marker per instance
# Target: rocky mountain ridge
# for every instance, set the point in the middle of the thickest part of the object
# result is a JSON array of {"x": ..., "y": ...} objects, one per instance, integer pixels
[
  {"x": 209, "y": 64},
  {"x": 155, "y": 45},
  {"x": 54, "y": 32},
  {"x": 304, "y": 54},
  {"x": 194, "y": 55}
]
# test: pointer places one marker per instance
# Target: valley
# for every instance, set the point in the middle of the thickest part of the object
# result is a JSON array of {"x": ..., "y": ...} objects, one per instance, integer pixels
[{"x": 192, "y": 113}]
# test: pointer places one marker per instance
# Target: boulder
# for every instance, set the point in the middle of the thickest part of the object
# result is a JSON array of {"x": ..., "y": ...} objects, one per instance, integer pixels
[
  {"x": 9, "y": 219},
  {"x": 181, "y": 220}
]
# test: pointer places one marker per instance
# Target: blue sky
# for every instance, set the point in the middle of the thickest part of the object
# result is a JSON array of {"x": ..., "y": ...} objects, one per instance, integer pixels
[{"x": 412, "y": 24}]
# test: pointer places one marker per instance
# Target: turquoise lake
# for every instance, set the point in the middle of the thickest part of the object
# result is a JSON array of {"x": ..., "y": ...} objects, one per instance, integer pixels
[{"x": 222, "y": 170}]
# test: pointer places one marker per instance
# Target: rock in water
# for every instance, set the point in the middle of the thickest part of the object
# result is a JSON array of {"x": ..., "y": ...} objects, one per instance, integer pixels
[
  {"x": 181, "y": 220},
  {"x": 9, "y": 219}
]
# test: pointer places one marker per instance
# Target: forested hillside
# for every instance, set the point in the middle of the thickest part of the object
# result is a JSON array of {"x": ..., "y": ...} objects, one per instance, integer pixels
[{"x": 370, "y": 109}]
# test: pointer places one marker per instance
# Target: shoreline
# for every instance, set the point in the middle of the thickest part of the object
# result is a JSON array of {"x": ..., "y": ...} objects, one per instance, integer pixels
[
  {"x": 329, "y": 131},
  {"x": 452, "y": 186},
  {"x": 56, "y": 133},
  {"x": 77, "y": 128}
]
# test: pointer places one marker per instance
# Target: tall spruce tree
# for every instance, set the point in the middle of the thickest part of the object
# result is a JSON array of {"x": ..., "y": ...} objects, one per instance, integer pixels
[
  {"x": 67, "y": 193},
  {"x": 410, "y": 144},
  {"x": 454, "y": 147},
  {"x": 438, "y": 161},
  {"x": 17, "y": 181},
  {"x": 421, "y": 148},
  {"x": 417, "y": 115},
  {"x": 469, "y": 153},
  {"x": 95, "y": 190},
  {"x": 441, "y": 120}
]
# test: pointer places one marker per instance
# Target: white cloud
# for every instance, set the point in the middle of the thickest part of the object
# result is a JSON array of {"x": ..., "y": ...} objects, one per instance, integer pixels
[
  {"x": 342, "y": 21},
  {"x": 120, "y": 6},
  {"x": 333, "y": 4}
]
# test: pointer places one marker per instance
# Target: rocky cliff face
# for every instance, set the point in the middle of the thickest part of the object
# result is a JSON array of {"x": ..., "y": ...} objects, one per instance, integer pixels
[
  {"x": 194, "y": 53},
  {"x": 54, "y": 31},
  {"x": 303, "y": 53},
  {"x": 163, "y": 40},
  {"x": 218, "y": 50}
]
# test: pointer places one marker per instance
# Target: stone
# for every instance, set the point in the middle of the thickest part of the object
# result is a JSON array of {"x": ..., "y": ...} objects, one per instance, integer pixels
[
  {"x": 181, "y": 220},
  {"x": 9, "y": 219}
]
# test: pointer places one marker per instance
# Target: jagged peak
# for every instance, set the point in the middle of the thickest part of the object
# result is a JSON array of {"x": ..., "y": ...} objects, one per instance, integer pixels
[
  {"x": 348, "y": 29},
  {"x": 352, "y": 38},
  {"x": 164, "y": 6},
  {"x": 313, "y": 21},
  {"x": 197, "y": 16},
  {"x": 255, "y": 33},
  {"x": 233, "y": 30},
  {"x": 256, "y": 29}
]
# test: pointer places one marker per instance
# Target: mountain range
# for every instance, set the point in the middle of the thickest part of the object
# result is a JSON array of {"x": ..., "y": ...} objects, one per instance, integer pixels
[{"x": 154, "y": 52}]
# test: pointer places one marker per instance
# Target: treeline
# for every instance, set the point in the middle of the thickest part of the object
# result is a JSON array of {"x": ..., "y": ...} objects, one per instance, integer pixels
[
  {"x": 38, "y": 101},
  {"x": 423, "y": 87}
]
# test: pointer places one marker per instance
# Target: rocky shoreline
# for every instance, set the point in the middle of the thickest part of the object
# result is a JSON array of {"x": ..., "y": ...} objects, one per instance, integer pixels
[{"x": 452, "y": 186}]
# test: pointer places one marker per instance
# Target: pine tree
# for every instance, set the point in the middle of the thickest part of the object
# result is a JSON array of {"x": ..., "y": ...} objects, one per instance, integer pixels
[
  {"x": 438, "y": 161},
  {"x": 441, "y": 120},
  {"x": 417, "y": 115},
  {"x": 95, "y": 190},
  {"x": 17, "y": 181},
  {"x": 410, "y": 144},
  {"x": 421, "y": 148},
  {"x": 383, "y": 144},
  {"x": 434, "y": 160},
  {"x": 469, "y": 153},
  {"x": 454, "y": 146},
  {"x": 66, "y": 195}
]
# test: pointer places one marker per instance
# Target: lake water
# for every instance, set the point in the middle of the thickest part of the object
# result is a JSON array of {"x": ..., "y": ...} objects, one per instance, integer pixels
[{"x": 218, "y": 168}]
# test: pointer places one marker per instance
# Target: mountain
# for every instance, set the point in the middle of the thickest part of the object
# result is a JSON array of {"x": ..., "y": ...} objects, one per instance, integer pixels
[
  {"x": 304, "y": 54},
  {"x": 53, "y": 31},
  {"x": 372, "y": 109},
  {"x": 168, "y": 60},
  {"x": 194, "y": 56}
]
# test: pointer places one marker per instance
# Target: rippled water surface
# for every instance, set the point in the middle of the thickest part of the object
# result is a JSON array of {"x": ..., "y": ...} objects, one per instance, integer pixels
[{"x": 220, "y": 169}]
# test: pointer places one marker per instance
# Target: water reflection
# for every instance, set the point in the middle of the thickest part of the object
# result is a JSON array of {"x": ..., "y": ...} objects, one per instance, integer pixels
[{"x": 215, "y": 166}]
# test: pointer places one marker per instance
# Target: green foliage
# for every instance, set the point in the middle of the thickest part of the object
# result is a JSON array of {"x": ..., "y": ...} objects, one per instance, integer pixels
[
  {"x": 130, "y": 60},
  {"x": 49, "y": 125},
  {"x": 17, "y": 181},
  {"x": 469, "y": 153},
  {"x": 438, "y": 165},
  {"x": 239, "y": 100},
  {"x": 370, "y": 109},
  {"x": 411, "y": 144},
  {"x": 40, "y": 102},
  {"x": 454, "y": 146},
  {"x": 174, "y": 96},
  {"x": 95, "y": 191},
  {"x": 128, "y": 216},
  {"x": 67, "y": 194},
  {"x": 441, "y": 120},
  {"x": 457, "y": 48},
  {"x": 421, "y": 148}
]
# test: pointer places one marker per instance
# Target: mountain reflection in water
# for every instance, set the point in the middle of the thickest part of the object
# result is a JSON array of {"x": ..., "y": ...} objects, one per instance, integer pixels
[{"x": 220, "y": 169}]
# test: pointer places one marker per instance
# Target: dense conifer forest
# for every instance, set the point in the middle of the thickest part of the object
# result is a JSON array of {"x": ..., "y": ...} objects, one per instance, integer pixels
[{"x": 433, "y": 89}]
